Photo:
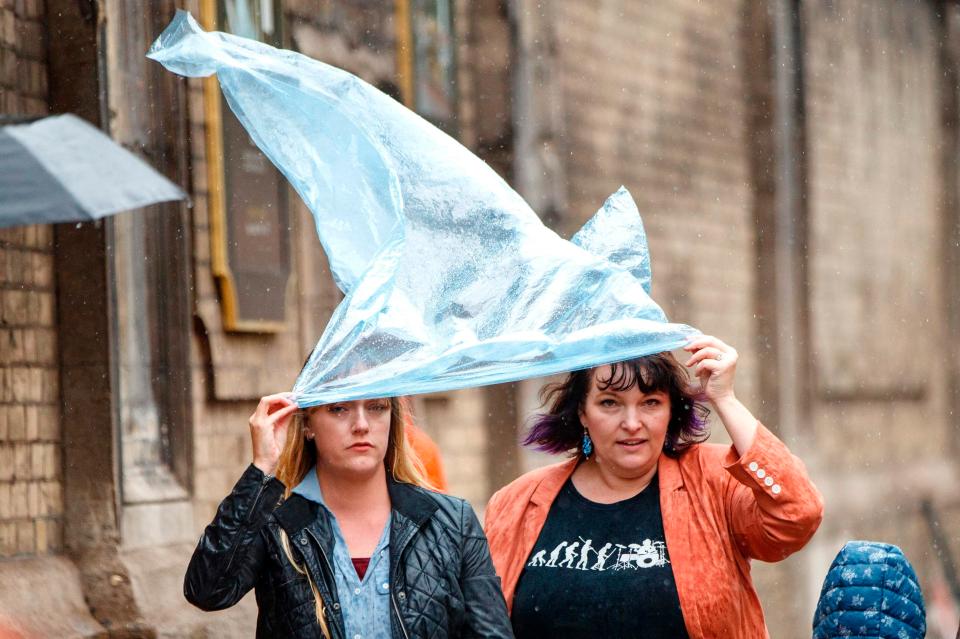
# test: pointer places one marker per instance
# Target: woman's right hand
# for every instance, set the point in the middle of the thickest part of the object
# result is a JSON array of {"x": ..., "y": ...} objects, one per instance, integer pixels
[{"x": 268, "y": 429}]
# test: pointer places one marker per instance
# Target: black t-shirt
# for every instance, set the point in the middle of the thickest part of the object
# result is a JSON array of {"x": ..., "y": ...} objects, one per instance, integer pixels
[{"x": 599, "y": 570}]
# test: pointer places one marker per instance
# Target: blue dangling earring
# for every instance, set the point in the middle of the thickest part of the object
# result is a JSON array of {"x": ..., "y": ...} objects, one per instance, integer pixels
[{"x": 587, "y": 443}]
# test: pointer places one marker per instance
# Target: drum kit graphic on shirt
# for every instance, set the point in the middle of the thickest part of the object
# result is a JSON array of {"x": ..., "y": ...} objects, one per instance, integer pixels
[{"x": 577, "y": 556}]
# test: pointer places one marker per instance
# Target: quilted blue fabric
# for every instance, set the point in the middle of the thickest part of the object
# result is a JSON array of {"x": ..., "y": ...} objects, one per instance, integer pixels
[
  {"x": 450, "y": 278},
  {"x": 871, "y": 591}
]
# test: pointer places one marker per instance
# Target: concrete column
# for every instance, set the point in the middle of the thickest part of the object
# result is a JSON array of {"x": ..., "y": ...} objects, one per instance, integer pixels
[{"x": 85, "y": 324}]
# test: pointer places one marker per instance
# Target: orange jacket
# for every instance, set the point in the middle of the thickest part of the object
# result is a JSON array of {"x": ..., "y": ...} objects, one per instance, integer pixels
[
  {"x": 719, "y": 511},
  {"x": 429, "y": 454}
]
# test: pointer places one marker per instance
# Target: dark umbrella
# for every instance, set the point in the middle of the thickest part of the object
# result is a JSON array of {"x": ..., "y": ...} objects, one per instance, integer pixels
[{"x": 62, "y": 169}]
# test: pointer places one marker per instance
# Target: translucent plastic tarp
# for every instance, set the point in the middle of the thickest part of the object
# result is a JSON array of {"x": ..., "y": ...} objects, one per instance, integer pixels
[{"x": 450, "y": 279}]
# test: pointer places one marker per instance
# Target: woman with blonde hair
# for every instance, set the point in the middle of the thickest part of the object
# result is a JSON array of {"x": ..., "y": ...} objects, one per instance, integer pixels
[{"x": 334, "y": 527}]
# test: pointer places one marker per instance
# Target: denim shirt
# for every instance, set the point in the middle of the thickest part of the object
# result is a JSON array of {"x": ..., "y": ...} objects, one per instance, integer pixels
[{"x": 365, "y": 604}]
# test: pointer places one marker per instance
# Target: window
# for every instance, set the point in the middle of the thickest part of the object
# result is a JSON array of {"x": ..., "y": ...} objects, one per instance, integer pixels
[
  {"x": 426, "y": 59},
  {"x": 249, "y": 213}
]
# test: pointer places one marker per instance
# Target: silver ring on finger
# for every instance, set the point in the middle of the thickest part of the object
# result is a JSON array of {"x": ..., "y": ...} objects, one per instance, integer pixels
[{"x": 718, "y": 357}]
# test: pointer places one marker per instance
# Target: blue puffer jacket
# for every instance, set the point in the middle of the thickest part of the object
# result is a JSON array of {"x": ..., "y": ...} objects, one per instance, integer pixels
[{"x": 871, "y": 591}]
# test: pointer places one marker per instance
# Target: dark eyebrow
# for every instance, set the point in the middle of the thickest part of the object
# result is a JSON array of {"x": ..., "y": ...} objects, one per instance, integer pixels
[{"x": 609, "y": 391}]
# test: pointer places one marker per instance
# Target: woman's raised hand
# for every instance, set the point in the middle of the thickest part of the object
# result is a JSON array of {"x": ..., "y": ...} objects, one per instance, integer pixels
[
  {"x": 715, "y": 364},
  {"x": 268, "y": 429}
]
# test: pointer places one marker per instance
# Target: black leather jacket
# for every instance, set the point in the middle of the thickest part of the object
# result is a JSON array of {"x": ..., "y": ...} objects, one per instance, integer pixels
[{"x": 443, "y": 582}]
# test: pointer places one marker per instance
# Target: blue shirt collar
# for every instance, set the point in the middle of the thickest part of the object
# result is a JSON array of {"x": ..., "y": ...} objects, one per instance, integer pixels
[{"x": 310, "y": 488}]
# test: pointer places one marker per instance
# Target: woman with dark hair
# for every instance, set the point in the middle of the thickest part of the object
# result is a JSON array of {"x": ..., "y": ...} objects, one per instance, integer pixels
[
  {"x": 334, "y": 527},
  {"x": 646, "y": 531}
]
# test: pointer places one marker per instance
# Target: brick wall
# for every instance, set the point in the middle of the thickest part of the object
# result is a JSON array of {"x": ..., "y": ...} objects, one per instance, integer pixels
[
  {"x": 881, "y": 418},
  {"x": 220, "y": 438},
  {"x": 874, "y": 131},
  {"x": 653, "y": 97},
  {"x": 31, "y": 503}
]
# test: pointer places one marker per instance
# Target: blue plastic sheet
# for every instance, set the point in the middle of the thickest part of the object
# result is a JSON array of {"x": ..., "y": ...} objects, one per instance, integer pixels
[{"x": 450, "y": 279}]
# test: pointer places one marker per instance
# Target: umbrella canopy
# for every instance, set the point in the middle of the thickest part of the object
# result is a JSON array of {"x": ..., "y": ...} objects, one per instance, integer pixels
[
  {"x": 63, "y": 169},
  {"x": 451, "y": 280}
]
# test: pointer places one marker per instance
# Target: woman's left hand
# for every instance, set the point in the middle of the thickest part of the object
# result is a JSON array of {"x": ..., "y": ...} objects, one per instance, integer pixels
[{"x": 714, "y": 363}]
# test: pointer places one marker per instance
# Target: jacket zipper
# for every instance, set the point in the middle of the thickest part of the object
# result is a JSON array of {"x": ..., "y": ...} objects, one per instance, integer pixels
[
  {"x": 256, "y": 500},
  {"x": 396, "y": 611},
  {"x": 323, "y": 553},
  {"x": 396, "y": 608},
  {"x": 248, "y": 519}
]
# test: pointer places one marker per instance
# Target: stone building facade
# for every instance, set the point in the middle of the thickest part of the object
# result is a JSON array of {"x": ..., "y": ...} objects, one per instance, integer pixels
[{"x": 795, "y": 163}]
